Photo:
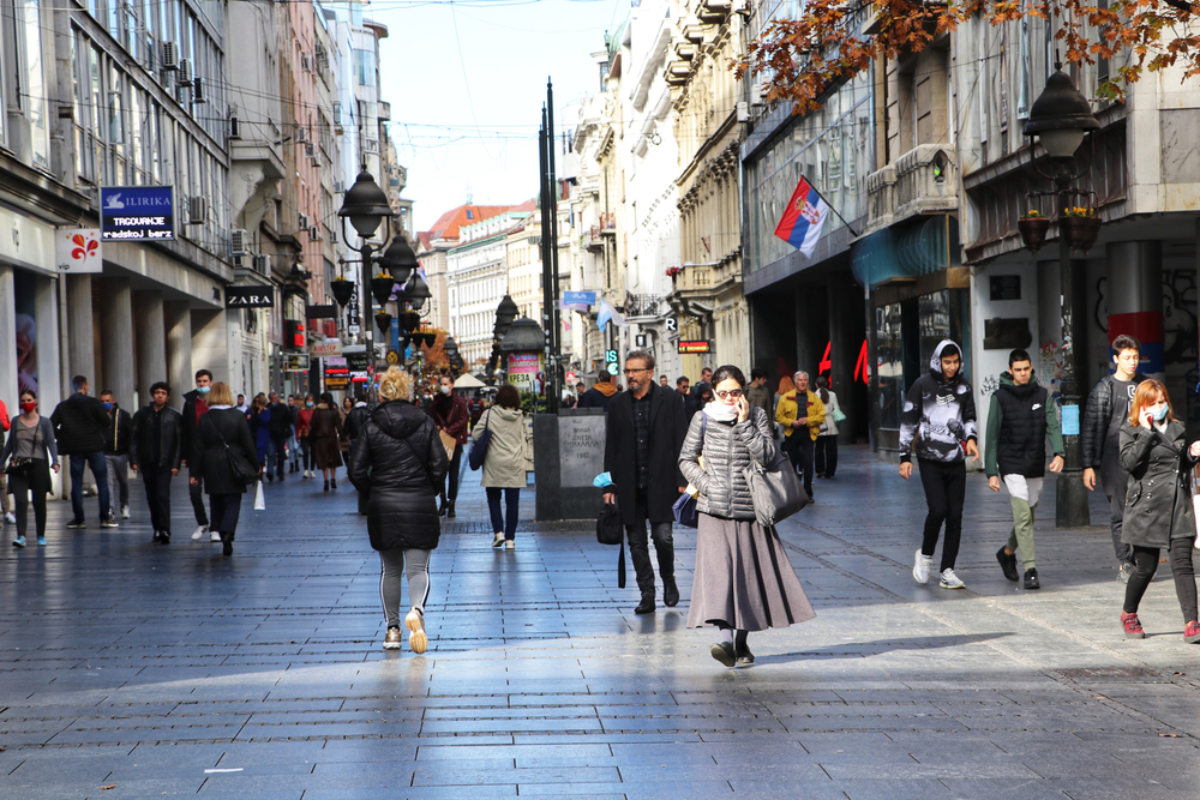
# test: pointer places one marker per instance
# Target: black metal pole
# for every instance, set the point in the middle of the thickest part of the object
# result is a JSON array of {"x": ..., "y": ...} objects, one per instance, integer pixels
[
  {"x": 556, "y": 313},
  {"x": 1071, "y": 509},
  {"x": 547, "y": 290}
]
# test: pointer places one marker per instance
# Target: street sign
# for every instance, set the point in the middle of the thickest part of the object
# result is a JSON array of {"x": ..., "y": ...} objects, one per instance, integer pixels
[
  {"x": 698, "y": 346},
  {"x": 572, "y": 379},
  {"x": 133, "y": 213},
  {"x": 354, "y": 330},
  {"x": 295, "y": 362},
  {"x": 256, "y": 296},
  {"x": 337, "y": 373}
]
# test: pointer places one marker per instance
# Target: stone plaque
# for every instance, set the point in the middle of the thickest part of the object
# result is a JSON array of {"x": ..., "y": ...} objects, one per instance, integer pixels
[{"x": 581, "y": 449}]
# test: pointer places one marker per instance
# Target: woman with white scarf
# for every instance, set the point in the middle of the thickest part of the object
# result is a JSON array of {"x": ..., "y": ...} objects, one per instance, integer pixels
[{"x": 744, "y": 581}]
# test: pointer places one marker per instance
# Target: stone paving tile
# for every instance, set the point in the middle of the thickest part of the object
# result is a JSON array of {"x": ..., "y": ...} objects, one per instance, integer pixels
[{"x": 894, "y": 691}]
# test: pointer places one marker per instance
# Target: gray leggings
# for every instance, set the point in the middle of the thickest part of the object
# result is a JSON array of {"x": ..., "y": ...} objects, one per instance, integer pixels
[{"x": 392, "y": 567}]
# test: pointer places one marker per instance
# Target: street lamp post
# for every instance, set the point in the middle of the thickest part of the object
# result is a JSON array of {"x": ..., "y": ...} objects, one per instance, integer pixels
[
  {"x": 366, "y": 206},
  {"x": 506, "y": 312},
  {"x": 1060, "y": 118}
]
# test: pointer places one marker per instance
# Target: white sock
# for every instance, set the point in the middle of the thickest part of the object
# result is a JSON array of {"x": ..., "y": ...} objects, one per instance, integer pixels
[{"x": 727, "y": 636}]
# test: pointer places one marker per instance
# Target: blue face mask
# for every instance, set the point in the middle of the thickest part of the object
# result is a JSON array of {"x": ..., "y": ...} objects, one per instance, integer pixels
[
  {"x": 309, "y": 404},
  {"x": 108, "y": 406},
  {"x": 1161, "y": 413},
  {"x": 203, "y": 389}
]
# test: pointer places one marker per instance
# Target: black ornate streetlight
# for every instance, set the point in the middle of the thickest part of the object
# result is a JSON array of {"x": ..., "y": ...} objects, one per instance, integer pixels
[
  {"x": 506, "y": 312},
  {"x": 366, "y": 206},
  {"x": 1060, "y": 118}
]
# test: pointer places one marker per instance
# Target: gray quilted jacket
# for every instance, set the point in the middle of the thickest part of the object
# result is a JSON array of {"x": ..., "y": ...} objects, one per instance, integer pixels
[{"x": 727, "y": 449}]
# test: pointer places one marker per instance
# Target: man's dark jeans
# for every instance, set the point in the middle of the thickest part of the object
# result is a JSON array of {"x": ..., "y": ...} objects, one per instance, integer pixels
[
  {"x": 157, "y": 481},
  {"x": 100, "y": 472},
  {"x": 639, "y": 548},
  {"x": 278, "y": 449},
  {"x": 1115, "y": 481},
  {"x": 801, "y": 449}
]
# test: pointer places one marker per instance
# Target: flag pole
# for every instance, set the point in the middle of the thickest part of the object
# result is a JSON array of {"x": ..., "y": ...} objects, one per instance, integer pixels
[{"x": 834, "y": 210}]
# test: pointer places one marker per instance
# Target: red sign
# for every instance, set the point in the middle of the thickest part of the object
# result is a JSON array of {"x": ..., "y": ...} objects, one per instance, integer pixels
[{"x": 699, "y": 346}]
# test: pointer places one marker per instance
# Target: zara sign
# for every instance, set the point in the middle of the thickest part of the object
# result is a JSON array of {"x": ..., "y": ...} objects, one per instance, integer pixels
[{"x": 249, "y": 296}]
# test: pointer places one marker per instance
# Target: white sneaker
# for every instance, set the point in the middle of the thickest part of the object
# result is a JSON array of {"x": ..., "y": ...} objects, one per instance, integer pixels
[
  {"x": 499, "y": 540},
  {"x": 124, "y": 512},
  {"x": 921, "y": 568},
  {"x": 510, "y": 544},
  {"x": 214, "y": 536},
  {"x": 198, "y": 534},
  {"x": 10, "y": 518},
  {"x": 415, "y": 622},
  {"x": 951, "y": 581}
]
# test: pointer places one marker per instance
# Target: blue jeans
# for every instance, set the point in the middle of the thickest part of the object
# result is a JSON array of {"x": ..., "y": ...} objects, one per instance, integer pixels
[
  {"x": 99, "y": 472},
  {"x": 507, "y": 523},
  {"x": 276, "y": 452}
]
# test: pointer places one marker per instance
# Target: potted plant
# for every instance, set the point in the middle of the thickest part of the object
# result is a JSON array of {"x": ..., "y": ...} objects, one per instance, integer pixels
[
  {"x": 1033, "y": 227},
  {"x": 1081, "y": 226},
  {"x": 343, "y": 290},
  {"x": 381, "y": 287},
  {"x": 383, "y": 320}
]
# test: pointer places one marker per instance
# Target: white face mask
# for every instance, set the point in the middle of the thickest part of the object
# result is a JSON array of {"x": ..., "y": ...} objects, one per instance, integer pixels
[{"x": 444, "y": 390}]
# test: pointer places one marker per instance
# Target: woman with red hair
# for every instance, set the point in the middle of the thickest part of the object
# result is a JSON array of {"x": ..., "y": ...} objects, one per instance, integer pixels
[{"x": 1158, "y": 506}]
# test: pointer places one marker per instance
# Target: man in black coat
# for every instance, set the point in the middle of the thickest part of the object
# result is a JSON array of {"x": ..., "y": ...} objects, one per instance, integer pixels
[
  {"x": 116, "y": 453},
  {"x": 155, "y": 450},
  {"x": 194, "y": 407},
  {"x": 79, "y": 423},
  {"x": 280, "y": 429},
  {"x": 646, "y": 427}
]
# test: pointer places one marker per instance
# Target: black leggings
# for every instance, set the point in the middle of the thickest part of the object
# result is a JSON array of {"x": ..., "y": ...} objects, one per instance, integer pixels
[
  {"x": 1145, "y": 563},
  {"x": 945, "y": 488},
  {"x": 36, "y": 483},
  {"x": 307, "y": 457}
]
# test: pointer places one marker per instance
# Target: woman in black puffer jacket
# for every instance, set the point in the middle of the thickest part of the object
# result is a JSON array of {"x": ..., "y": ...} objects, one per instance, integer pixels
[{"x": 400, "y": 462}]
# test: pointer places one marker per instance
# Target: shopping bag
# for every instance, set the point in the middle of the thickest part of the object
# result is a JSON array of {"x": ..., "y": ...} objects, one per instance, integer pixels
[
  {"x": 448, "y": 442},
  {"x": 260, "y": 498}
]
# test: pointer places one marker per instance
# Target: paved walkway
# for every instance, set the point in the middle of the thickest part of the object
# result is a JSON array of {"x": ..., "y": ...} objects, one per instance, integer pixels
[{"x": 131, "y": 670}]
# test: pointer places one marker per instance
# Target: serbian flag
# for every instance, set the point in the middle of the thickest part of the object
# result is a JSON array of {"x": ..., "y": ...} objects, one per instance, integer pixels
[{"x": 803, "y": 218}]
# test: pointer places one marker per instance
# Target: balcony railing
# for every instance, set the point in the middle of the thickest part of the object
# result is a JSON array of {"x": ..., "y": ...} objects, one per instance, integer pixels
[
  {"x": 644, "y": 305},
  {"x": 922, "y": 181}
]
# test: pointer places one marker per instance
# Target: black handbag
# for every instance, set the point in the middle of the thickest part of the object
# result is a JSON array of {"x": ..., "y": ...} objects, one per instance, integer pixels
[
  {"x": 479, "y": 448},
  {"x": 239, "y": 469},
  {"x": 609, "y": 530}
]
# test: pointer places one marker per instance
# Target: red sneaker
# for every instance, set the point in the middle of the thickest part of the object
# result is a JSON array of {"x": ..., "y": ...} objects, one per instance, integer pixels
[
  {"x": 1191, "y": 634},
  {"x": 1133, "y": 627}
]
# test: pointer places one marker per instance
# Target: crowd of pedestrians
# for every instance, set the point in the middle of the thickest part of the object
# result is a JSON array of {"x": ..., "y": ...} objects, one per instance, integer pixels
[{"x": 664, "y": 444}]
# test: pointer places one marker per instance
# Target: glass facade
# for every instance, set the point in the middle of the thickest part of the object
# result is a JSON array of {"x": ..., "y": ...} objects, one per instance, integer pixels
[{"x": 834, "y": 148}]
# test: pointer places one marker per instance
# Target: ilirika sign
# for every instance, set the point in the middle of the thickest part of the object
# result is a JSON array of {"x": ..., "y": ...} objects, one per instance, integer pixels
[
  {"x": 134, "y": 213},
  {"x": 337, "y": 373}
]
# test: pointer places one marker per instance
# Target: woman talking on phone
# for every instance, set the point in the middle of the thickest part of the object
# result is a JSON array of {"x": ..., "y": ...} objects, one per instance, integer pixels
[
  {"x": 1158, "y": 505},
  {"x": 744, "y": 581}
]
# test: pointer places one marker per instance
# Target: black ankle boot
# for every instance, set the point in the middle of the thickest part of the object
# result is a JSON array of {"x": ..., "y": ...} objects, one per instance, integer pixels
[
  {"x": 647, "y": 605},
  {"x": 442, "y": 506},
  {"x": 333, "y": 484},
  {"x": 670, "y": 593},
  {"x": 326, "y": 485},
  {"x": 226, "y": 544},
  {"x": 450, "y": 508}
]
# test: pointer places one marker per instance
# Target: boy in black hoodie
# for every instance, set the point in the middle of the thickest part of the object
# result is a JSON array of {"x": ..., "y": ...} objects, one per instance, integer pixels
[{"x": 941, "y": 409}]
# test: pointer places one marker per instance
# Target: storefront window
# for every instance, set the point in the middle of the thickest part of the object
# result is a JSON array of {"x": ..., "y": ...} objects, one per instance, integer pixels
[
  {"x": 891, "y": 365},
  {"x": 833, "y": 148}
]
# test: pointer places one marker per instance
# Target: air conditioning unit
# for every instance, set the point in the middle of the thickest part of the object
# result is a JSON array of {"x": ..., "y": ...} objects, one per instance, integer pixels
[
  {"x": 757, "y": 92},
  {"x": 306, "y": 62},
  {"x": 333, "y": 237},
  {"x": 303, "y": 221},
  {"x": 239, "y": 242},
  {"x": 262, "y": 265},
  {"x": 322, "y": 61},
  {"x": 337, "y": 111},
  {"x": 372, "y": 146},
  {"x": 743, "y": 111},
  {"x": 198, "y": 91},
  {"x": 239, "y": 262},
  {"x": 301, "y": 134},
  {"x": 310, "y": 149},
  {"x": 197, "y": 210},
  {"x": 235, "y": 128},
  {"x": 169, "y": 56},
  {"x": 185, "y": 73},
  {"x": 338, "y": 187},
  {"x": 314, "y": 234}
]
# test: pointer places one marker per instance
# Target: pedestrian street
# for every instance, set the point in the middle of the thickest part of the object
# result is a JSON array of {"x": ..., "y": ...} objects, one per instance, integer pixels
[{"x": 138, "y": 670}]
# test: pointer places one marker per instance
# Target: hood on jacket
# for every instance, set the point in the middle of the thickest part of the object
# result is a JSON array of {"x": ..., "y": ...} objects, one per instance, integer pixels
[
  {"x": 935, "y": 362},
  {"x": 398, "y": 418},
  {"x": 506, "y": 414},
  {"x": 606, "y": 388},
  {"x": 1006, "y": 380}
]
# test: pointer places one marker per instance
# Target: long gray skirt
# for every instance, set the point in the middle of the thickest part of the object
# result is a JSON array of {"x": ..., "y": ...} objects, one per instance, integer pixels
[{"x": 744, "y": 578}]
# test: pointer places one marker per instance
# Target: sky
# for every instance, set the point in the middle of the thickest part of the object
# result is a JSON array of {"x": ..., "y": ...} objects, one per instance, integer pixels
[{"x": 466, "y": 81}]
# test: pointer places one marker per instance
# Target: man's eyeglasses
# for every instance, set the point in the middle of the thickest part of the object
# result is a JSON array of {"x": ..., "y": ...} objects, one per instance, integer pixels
[
  {"x": 734, "y": 393},
  {"x": 632, "y": 371}
]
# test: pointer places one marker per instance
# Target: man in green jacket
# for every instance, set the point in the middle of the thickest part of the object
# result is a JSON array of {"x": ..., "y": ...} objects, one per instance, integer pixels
[{"x": 1019, "y": 419}]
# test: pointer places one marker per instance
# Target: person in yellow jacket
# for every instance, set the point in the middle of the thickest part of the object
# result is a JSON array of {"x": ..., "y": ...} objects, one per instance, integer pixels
[{"x": 798, "y": 443}]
